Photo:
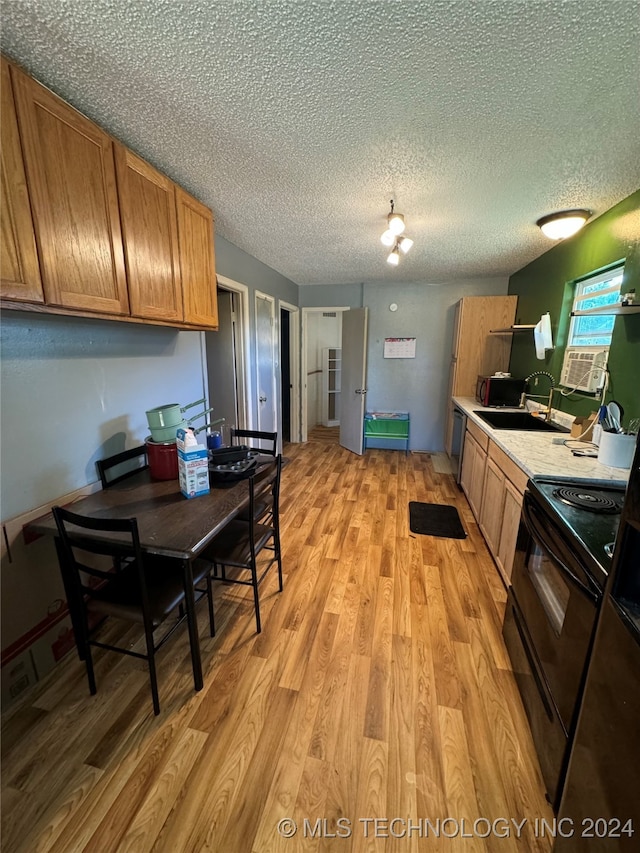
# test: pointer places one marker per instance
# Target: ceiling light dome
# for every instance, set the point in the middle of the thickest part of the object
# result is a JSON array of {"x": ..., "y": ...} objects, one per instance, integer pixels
[
  {"x": 394, "y": 257},
  {"x": 563, "y": 224},
  {"x": 388, "y": 238}
]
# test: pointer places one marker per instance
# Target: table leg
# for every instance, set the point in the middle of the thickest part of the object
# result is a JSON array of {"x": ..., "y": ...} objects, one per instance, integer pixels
[{"x": 194, "y": 639}]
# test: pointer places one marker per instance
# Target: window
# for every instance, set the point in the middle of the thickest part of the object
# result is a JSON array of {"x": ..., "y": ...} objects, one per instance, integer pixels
[
  {"x": 585, "y": 358},
  {"x": 596, "y": 291}
]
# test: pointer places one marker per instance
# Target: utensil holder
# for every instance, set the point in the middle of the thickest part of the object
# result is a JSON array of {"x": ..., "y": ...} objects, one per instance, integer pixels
[{"x": 616, "y": 449}]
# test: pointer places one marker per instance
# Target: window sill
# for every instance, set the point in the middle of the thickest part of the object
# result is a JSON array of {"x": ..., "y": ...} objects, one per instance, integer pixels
[{"x": 608, "y": 310}]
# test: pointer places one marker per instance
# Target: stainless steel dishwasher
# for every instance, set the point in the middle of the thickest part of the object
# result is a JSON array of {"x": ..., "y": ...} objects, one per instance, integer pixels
[{"x": 457, "y": 441}]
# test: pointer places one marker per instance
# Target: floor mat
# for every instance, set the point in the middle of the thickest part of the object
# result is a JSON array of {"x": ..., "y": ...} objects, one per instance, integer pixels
[{"x": 435, "y": 520}]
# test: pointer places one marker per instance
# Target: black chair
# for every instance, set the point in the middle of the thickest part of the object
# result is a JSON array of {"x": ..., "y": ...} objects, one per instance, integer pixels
[
  {"x": 265, "y": 442},
  {"x": 105, "y": 466},
  {"x": 145, "y": 589},
  {"x": 242, "y": 541}
]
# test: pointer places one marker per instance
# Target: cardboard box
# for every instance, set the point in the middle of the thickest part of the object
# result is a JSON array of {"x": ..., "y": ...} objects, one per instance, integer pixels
[
  {"x": 584, "y": 425},
  {"x": 193, "y": 465}
]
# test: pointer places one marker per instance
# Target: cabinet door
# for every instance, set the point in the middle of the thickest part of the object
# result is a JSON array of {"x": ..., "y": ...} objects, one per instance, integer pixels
[
  {"x": 71, "y": 177},
  {"x": 19, "y": 258},
  {"x": 197, "y": 261},
  {"x": 510, "y": 525},
  {"x": 468, "y": 461},
  {"x": 150, "y": 235},
  {"x": 472, "y": 474},
  {"x": 492, "y": 505}
]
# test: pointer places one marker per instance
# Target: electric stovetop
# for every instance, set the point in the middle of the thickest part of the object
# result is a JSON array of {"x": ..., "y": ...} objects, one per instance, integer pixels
[{"x": 589, "y": 513}]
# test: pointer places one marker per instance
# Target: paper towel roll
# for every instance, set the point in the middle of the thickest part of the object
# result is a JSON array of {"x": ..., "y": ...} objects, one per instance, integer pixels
[
  {"x": 616, "y": 449},
  {"x": 542, "y": 336}
]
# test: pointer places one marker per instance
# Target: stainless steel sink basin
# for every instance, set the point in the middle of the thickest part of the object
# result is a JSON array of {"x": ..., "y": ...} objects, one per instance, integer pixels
[{"x": 519, "y": 421}]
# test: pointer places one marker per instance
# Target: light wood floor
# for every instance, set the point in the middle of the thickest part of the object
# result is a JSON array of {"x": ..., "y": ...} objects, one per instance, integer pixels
[{"x": 379, "y": 688}]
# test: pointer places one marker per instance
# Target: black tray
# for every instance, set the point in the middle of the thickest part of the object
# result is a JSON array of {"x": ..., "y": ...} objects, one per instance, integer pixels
[{"x": 224, "y": 455}]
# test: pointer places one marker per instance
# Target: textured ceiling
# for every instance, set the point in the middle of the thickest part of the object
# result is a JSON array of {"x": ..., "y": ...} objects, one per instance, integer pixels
[{"x": 296, "y": 122}]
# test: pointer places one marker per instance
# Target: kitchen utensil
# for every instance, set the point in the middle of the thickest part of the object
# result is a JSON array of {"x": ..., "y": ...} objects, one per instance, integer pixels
[
  {"x": 232, "y": 471},
  {"x": 169, "y": 415},
  {"x": 226, "y": 455},
  {"x": 168, "y": 433},
  {"x": 634, "y": 426},
  {"x": 614, "y": 416},
  {"x": 163, "y": 459}
]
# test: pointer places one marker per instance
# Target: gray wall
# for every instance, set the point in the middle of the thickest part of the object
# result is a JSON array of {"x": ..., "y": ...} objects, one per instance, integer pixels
[
  {"x": 425, "y": 311},
  {"x": 75, "y": 390}
]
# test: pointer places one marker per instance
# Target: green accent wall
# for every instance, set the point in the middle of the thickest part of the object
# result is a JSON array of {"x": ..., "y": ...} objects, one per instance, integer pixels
[{"x": 546, "y": 284}]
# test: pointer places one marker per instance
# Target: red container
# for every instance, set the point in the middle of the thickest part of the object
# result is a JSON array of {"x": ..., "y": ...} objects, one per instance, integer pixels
[{"x": 163, "y": 459}]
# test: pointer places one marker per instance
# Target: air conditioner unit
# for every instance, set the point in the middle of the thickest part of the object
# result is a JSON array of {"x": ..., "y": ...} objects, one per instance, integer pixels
[{"x": 583, "y": 368}]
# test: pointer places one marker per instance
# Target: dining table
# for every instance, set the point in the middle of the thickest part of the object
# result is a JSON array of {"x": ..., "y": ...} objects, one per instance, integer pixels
[{"x": 169, "y": 525}]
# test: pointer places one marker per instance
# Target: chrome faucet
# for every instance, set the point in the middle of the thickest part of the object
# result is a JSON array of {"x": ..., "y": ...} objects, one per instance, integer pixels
[{"x": 548, "y": 397}]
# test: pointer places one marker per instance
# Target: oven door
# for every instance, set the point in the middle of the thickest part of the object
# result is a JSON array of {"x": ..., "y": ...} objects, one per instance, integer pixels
[{"x": 558, "y": 601}]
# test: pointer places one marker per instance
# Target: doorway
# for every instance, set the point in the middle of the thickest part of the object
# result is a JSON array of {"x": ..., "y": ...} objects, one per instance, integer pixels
[
  {"x": 321, "y": 330},
  {"x": 266, "y": 362},
  {"x": 289, "y": 371},
  {"x": 227, "y": 357}
]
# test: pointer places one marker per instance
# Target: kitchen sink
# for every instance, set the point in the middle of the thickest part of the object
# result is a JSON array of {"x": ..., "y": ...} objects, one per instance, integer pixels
[{"x": 518, "y": 420}]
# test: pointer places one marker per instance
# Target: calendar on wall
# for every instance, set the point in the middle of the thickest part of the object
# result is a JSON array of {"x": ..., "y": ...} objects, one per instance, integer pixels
[{"x": 399, "y": 347}]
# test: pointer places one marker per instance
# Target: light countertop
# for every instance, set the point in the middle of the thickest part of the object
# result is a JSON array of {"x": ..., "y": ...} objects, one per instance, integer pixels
[{"x": 536, "y": 453}]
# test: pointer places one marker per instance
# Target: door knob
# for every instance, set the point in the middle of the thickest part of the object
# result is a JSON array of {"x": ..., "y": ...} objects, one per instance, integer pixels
[
  {"x": 263, "y": 399},
  {"x": 361, "y": 390}
]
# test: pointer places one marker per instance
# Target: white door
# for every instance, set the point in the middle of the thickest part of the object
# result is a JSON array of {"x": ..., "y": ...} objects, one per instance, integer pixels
[
  {"x": 266, "y": 362},
  {"x": 354, "y": 377}
]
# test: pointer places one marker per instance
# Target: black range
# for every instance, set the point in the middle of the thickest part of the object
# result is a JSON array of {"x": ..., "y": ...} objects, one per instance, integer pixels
[
  {"x": 591, "y": 515},
  {"x": 563, "y": 557}
]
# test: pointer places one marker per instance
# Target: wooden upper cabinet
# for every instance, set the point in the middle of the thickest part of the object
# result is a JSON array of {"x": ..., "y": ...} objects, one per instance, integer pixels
[
  {"x": 20, "y": 268},
  {"x": 197, "y": 261},
  {"x": 150, "y": 235},
  {"x": 72, "y": 185}
]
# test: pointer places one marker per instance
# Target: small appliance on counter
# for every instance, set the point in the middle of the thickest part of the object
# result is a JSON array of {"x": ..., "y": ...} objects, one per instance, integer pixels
[{"x": 499, "y": 390}]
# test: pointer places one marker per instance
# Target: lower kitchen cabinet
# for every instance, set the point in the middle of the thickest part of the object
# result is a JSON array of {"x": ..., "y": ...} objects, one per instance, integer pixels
[
  {"x": 474, "y": 462},
  {"x": 509, "y": 530},
  {"x": 494, "y": 486}
]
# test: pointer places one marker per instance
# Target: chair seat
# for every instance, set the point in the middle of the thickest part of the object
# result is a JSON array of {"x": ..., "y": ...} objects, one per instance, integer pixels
[
  {"x": 232, "y": 547},
  {"x": 121, "y": 597}
]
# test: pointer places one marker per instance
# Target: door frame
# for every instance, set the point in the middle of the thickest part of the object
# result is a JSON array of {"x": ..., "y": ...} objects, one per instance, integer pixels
[
  {"x": 303, "y": 358},
  {"x": 258, "y": 294},
  {"x": 294, "y": 362},
  {"x": 242, "y": 355}
]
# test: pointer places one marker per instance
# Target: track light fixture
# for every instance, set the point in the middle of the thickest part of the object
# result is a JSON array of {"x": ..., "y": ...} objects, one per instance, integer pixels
[
  {"x": 392, "y": 237},
  {"x": 563, "y": 224}
]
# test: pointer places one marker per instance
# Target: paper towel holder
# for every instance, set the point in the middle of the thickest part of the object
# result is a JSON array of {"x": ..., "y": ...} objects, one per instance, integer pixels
[{"x": 542, "y": 336}]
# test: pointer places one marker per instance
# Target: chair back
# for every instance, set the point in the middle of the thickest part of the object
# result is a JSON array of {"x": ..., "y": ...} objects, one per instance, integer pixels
[
  {"x": 265, "y": 442},
  {"x": 75, "y": 545},
  {"x": 105, "y": 466}
]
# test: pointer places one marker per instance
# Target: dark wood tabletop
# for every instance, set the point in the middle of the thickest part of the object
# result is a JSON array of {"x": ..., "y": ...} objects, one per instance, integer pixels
[{"x": 168, "y": 523}]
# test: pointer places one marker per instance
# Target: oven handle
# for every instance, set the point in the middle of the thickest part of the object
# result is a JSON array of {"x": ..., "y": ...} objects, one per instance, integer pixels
[{"x": 531, "y": 518}]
